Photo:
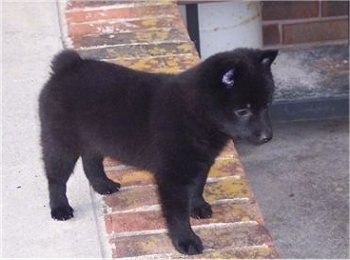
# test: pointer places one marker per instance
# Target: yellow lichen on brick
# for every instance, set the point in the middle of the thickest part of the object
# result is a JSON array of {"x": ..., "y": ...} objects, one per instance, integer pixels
[
  {"x": 161, "y": 35},
  {"x": 165, "y": 1},
  {"x": 172, "y": 62},
  {"x": 150, "y": 22},
  {"x": 172, "y": 65},
  {"x": 185, "y": 47},
  {"x": 226, "y": 167},
  {"x": 151, "y": 36},
  {"x": 230, "y": 188},
  {"x": 136, "y": 176},
  {"x": 245, "y": 219},
  {"x": 156, "y": 51},
  {"x": 131, "y": 177},
  {"x": 141, "y": 64},
  {"x": 143, "y": 36}
]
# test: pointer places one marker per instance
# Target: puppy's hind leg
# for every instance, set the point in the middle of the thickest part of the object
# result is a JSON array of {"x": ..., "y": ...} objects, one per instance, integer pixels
[
  {"x": 93, "y": 168},
  {"x": 59, "y": 164}
]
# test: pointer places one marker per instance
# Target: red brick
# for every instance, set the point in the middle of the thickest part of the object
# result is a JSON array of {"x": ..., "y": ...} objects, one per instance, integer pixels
[
  {"x": 142, "y": 245},
  {"x": 225, "y": 168},
  {"x": 335, "y": 8},
  {"x": 232, "y": 238},
  {"x": 133, "y": 198},
  {"x": 229, "y": 150},
  {"x": 230, "y": 189},
  {"x": 282, "y": 10},
  {"x": 231, "y": 213},
  {"x": 271, "y": 34},
  {"x": 144, "y": 37},
  {"x": 139, "y": 51},
  {"x": 81, "y": 4},
  {"x": 77, "y": 30},
  {"x": 316, "y": 31},
  {"x": 130, "y": 176},
  {"x": 78, "y": 16},
  {"x": 164, "y": 64},
  {"x": 134, "y": 221},
  {"x": 153, "y": 219}
]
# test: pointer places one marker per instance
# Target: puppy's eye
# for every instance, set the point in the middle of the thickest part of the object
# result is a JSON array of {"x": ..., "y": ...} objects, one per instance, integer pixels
[{"x": 243, "y": 112}]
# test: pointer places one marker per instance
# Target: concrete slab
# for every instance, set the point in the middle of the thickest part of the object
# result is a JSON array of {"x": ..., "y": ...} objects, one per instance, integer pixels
[
  {"x": 31, "y": 36},
  {"x": 301, "y": 182},
  {"x": 311, "y": 83},
  {"x": 312, "y": 73}
]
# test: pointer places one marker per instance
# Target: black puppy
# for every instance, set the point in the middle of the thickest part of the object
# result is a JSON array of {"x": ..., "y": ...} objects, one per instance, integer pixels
[{"x": 171, "y": 125}]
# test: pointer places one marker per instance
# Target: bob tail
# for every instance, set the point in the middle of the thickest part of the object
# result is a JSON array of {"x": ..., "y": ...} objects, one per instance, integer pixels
[{"x": 65, "y": 60}]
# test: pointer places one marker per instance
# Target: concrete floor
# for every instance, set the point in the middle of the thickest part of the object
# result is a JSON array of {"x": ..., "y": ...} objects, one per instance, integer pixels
[
  {"x": 29, "y": 42},
  {"x": 301, "y": 182}
]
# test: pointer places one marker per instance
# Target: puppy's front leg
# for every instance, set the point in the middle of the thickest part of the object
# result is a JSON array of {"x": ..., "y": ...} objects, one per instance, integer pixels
[
  {"x": 199, "y": 207},
  {"x": 175, "y": 200}
]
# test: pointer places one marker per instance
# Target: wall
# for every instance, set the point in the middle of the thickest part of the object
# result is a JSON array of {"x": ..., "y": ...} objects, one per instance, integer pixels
[{"x": 300, "y": 23}]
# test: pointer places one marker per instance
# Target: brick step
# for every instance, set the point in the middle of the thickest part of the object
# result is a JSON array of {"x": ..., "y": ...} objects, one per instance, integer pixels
[
  {"x": 150, "y": 219},
  {"x": 105, "y": 4},
  {"x": 130, "y": 176},
  {"x": 139, "y": 50},
  {"x": 120, "y": 26},
  {"x": 170, "y": 63},
  {"x": 145, "y": 36},
  {"x": 247, "y": 240},
  {"x": 92, "y": 4},
  {"x": 117, "y": 11},
  {"x": 229, "y": 152},
  {"x": 228, "y": 190}
]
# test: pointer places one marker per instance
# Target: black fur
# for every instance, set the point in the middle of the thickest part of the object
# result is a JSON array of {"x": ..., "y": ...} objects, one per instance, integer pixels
[{"x": 171, "y": 125}]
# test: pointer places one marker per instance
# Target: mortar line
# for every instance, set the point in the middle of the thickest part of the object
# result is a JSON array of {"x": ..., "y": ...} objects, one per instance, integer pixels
[{"x": 154, "y": 43}]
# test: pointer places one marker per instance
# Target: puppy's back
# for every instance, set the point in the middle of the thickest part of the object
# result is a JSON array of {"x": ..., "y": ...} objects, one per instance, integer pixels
[{"x": 98, "y": 104}]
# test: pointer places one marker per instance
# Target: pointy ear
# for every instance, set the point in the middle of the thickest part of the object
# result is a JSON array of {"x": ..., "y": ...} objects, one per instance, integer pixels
[
  {"x": 228, "y": 78},
  {"x": 268, "y": 56}
]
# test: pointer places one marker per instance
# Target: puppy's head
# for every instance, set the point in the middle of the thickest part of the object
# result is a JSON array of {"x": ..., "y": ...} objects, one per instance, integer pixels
[{"x": 241, "y": 87}]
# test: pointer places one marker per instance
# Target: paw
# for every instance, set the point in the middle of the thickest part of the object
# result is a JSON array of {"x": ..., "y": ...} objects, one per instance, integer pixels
[
  {"x": 202, "y": 210},
  {"x": 62, "y": 213},
  {"x": 106, "y": 187},
  {"x": 191, "y": 245}
]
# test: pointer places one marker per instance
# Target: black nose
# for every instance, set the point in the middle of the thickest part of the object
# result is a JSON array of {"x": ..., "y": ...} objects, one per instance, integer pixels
[{"x": 263, "y": 138}]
